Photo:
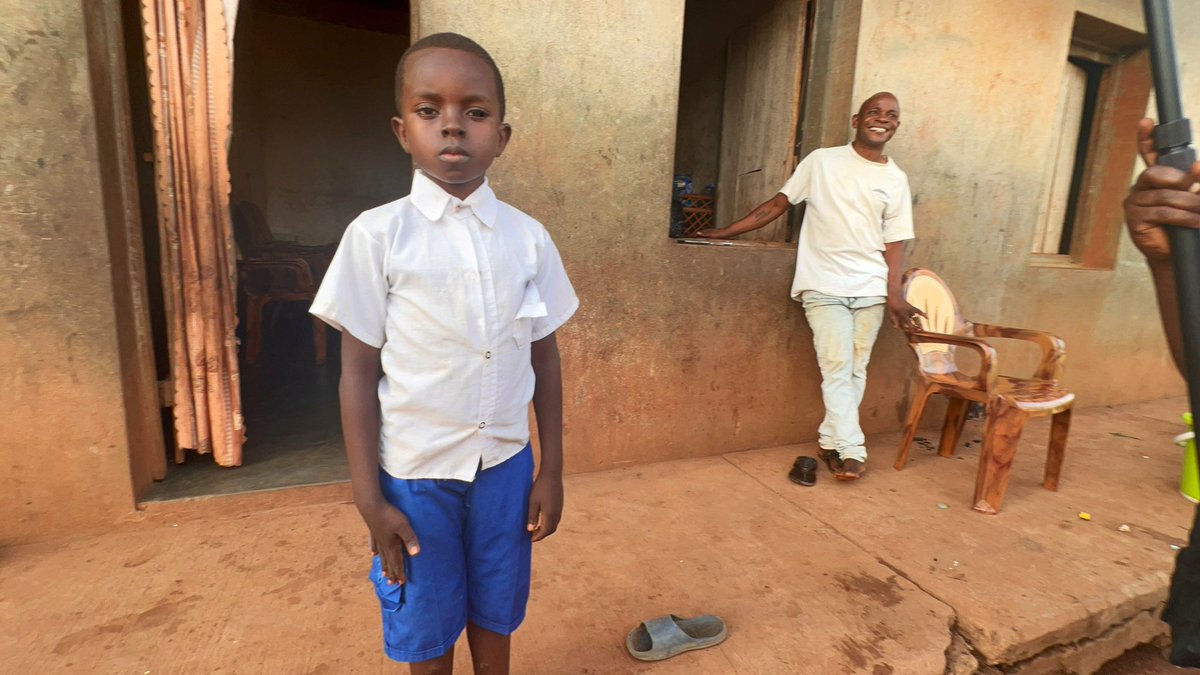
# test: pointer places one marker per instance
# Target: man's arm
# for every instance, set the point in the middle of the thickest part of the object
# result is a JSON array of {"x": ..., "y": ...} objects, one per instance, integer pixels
[
  {"x": 900, "y": 311},
  {"x": 546, "y": 498},
  {"x": 358, "y": 389},
  {"x": 1162, "y": 197},
  {"x": 761, "y": 215}
]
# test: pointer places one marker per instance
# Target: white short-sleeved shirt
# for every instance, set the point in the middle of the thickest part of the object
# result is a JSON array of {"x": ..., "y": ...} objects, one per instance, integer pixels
[
  {"x": 855, "y": 206},
  {"x": 453, "y": 292}
]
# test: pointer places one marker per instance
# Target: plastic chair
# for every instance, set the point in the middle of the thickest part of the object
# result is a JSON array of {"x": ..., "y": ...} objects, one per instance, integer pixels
[
  {"x": 1010, "y": 401},
  {"x": 276, "y": 271}
]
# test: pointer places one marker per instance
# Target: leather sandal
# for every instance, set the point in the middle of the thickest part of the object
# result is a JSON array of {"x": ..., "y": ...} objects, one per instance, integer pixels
[
  {"x": 832, "y": 460},
  {"x": 804, "y": 471}
]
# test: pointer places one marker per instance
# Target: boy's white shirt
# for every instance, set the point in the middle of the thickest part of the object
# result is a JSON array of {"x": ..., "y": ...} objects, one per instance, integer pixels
[
  {"x": 453, "y": 292},
  {"x": 855, "y": 206}
]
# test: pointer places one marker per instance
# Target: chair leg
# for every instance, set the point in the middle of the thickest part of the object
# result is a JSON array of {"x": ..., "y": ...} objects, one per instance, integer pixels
[
  {"x": 1059, "y": 428},
  {"x": 910, "y": 427},
  {"x": 318, "y": 341},
  {"x": 1001, "y": 435},
  {"x": 254, "y": 312},
  {"x": 956, "y": 417}
]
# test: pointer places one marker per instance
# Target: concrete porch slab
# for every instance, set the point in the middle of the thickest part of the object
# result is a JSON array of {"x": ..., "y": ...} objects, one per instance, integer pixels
[
  {"x": 1035, "y": 576},
  {"x": 870, "y": 577},
  {"x": 284, "y": 590}
]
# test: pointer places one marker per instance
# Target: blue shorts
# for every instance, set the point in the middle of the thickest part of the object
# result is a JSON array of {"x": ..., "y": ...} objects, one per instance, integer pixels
[{"x": 473, "y": 564}]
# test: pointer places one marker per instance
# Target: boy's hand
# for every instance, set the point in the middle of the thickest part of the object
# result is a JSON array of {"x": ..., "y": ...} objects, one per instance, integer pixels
[
  {"x": 714, "y": 233},
  {"x": 902, "y": 313},
  {"x": 391, "y": 538},
  {"x": 545, "y": 506}
]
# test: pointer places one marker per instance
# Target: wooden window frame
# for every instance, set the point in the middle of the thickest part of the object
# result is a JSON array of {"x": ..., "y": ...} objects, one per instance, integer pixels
[{"x": 1125, "y": 85}]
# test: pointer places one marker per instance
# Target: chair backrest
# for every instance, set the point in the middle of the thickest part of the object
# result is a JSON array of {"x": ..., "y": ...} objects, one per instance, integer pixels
[
  {"x": 927, "y": 292},
  {"x": 250, "y": 229}
]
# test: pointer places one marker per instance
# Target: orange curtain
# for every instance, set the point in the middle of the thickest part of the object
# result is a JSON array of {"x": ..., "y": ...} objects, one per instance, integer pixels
[{"x": 190, "y": 71}]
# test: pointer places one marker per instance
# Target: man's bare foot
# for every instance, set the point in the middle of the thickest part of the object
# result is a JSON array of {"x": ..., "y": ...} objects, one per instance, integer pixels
[{"x": 852, "y": 469}]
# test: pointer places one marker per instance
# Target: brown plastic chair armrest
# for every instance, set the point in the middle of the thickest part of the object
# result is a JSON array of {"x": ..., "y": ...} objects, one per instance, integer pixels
[
  {"x": 985, "y": 379},
  {"x": 1054, "y": 350},
  {"x": 299, "y": 266}
]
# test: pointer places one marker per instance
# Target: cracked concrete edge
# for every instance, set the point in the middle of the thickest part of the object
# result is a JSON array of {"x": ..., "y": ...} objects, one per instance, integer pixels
[
  {"x": 961, "y": 658},
  {"x": 952, "y": 623},
  {"x": 1081, "y": 657},
  {"x": 1105, "y": 634},
  {"x": 1147, "y": 594}
]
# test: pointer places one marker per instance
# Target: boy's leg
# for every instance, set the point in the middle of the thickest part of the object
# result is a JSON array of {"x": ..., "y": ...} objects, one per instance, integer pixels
[
  {"x": 498, "y": 552},
  {"x": 489, "y": 651},
  {"x": 442, "y": 665},
  {"x": 832, "y": 324}
]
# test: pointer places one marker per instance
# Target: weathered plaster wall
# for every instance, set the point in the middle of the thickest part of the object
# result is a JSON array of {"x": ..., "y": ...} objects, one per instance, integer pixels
[
  {"x": 677, "y": 350},
  {"x": 979, "y": 107},
  {"x": 684, "y": 351},
  {"x": 312, "y": 145},
  {"x": 64, "y": 453}
]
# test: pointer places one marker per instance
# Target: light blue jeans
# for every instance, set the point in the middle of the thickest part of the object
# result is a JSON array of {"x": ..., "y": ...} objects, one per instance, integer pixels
[{"x": 844, "y": 330}]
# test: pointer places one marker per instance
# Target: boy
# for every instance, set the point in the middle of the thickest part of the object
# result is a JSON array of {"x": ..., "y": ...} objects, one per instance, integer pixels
[
  {"x": 455, "y": 296},
  {"x": 849, "y": 263}
]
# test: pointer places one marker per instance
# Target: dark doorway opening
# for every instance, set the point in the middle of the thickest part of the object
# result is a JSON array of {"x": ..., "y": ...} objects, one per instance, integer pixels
[{"x": 311, "y": 148}]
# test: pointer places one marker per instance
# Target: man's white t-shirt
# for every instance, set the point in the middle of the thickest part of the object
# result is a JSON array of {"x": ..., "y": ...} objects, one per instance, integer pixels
[{"x": 855, "y": 206}]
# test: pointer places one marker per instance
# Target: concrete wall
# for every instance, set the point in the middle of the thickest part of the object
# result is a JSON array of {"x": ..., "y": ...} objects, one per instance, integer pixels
[
  {"x": 684, "y": 351},
  {"x": 978, "y": 118},
  {"x": 64, "y": 427},
  {"x": 312, "y": 145},
  {"x": 677, "y": 350}
]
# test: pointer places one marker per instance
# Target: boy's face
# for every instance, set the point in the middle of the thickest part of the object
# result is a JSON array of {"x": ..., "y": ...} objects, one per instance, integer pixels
[
  {"x": 450, "y": 118},
  {"x": 877, "y": 121}
]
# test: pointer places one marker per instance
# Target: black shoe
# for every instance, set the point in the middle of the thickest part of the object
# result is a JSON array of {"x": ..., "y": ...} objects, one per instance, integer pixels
[{"x": 804, "y": 471}]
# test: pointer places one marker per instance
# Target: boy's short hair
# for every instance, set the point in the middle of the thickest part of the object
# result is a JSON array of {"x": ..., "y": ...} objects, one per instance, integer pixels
[{"x": 449, "y": 41}]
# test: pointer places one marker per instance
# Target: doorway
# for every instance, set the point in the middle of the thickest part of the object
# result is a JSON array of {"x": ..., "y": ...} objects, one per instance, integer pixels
[{"x": 310, "y": 149}]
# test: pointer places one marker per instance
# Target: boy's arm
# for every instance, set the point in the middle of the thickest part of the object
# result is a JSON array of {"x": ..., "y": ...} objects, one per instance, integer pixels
[
  {"x": 900, "y": 311},
  {"x": 762, "y": 215},
  {"x": 546, "y": 498},
  {"x": 391, "y": 533}
]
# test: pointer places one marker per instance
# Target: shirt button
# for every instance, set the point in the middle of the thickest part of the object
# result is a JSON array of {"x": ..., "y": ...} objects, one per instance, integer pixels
[
  {"x": 487, "y": 355},
  {"x": 482, "y": 425}
]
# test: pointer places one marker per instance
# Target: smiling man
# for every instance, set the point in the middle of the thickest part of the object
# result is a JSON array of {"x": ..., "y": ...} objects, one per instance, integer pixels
[{"x": 849, "y": 262}]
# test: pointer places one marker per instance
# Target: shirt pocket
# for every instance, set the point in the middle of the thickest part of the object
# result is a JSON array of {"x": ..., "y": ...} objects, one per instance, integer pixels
[{"x": 531, "y": 309}]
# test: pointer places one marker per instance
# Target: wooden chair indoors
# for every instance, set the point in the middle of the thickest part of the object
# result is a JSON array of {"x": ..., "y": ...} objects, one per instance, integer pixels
[
  {"x": 1010, "y": 401},
  {"x": 267, "y": 280},
  {"x": 276, "y": 271},
  {"x": 255, "y": 239}
]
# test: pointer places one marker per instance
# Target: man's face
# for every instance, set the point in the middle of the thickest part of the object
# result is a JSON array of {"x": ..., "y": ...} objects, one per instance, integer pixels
[
  {"x": 450, "y": 118},
  {"x": 877, "y": 121}
]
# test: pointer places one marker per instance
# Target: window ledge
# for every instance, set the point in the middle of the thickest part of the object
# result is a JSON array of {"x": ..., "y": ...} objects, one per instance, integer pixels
[
  {"x": 737, "y": 243},
  {"x": 1063, "y": 262}
]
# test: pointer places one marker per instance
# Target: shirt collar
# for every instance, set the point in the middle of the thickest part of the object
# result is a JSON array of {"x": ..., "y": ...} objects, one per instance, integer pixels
[{"x": 432, "y": 201}]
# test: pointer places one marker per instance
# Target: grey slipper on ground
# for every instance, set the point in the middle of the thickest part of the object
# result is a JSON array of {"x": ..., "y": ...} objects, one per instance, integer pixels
[{"x": 666, "y": 636}]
